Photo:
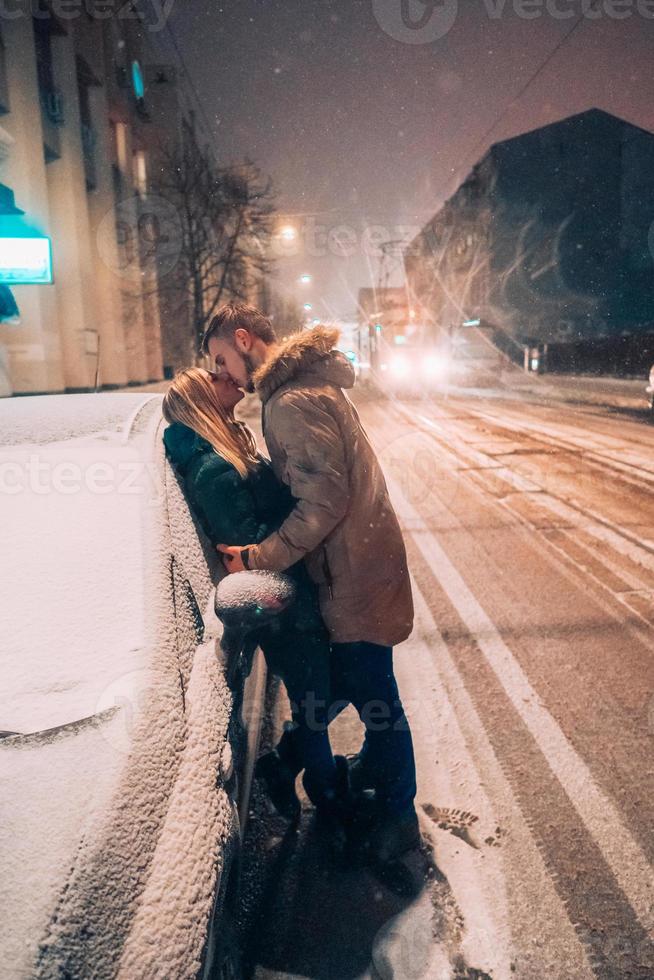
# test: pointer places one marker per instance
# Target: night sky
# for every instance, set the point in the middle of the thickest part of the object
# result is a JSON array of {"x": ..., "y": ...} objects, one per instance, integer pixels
[{"x": 360, "y": 128}]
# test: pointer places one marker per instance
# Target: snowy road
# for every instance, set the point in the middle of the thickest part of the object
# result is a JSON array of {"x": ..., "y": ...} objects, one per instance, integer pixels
[{"x": 529, "y": 680}]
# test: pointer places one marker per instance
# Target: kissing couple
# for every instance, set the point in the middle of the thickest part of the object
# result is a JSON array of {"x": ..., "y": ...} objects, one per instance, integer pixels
[{"x": 318, "y": 509}]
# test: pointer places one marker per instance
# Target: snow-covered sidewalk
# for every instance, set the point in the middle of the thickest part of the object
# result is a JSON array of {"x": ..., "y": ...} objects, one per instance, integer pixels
[{"x": 611, "y": 392}]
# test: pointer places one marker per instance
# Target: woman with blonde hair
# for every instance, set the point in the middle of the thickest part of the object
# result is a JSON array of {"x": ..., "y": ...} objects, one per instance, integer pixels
[{"x": 232, "y": 490}]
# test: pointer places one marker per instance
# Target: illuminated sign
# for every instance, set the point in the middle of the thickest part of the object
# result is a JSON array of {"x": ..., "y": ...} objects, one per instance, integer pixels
[
  {"x": 137, "y": 81},
  {"x": 25, "y": 261}
]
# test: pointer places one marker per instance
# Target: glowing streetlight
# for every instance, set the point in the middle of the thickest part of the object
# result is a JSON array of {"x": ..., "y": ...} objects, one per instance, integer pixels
[
  {"x": 308, "y": 307},
  {"x": 305, "y": 278},
  {"x": 288, "y": 233}
]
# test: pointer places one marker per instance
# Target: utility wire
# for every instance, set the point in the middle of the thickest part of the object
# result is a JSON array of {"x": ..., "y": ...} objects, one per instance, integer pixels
[{"x": 532, "y": 78}]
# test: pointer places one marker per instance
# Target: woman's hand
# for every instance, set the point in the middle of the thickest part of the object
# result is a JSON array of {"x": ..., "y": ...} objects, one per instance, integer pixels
[{"x": 232, "y": 559}]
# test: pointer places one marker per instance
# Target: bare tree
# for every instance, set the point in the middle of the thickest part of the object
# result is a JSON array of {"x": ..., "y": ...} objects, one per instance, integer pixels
[
  {"x": 224, "y": 227},
  {"x": 286, "y": 314}
]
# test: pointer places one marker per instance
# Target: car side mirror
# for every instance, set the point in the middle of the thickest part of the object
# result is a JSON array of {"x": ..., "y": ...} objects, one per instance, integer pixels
[{"x": 245, "y": 601}]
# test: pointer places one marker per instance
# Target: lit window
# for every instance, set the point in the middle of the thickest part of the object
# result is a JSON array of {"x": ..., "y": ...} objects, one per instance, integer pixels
[
  {"x": 140, "y": 172},
  {"x": 120, "y": 144}
]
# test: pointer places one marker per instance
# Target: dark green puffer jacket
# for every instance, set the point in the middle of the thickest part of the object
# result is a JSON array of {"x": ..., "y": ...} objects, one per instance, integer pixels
[
  {"x": 231, "y": 509},
  {"x": 238, "y": 510}
]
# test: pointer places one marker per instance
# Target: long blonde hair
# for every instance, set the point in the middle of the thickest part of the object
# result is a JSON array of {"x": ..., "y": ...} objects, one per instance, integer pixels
[{"x": 192, "y": 400}]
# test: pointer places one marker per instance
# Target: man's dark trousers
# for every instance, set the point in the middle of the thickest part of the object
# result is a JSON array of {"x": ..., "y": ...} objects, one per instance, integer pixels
[{"x": 362, "y": 675}]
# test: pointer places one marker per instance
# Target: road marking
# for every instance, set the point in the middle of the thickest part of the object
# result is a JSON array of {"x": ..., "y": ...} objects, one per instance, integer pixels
[
  {"x": 623, "y": 855},
  {"x": 495, "y": 888}
]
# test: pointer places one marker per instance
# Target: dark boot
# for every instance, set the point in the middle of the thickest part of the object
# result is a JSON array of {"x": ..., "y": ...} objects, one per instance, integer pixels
[
  {"x": 279, "y": 781},
  {"x": 360, "y": 779},
  {"x": 334, "y": 813},
  {"x": 392, "y": 836}
]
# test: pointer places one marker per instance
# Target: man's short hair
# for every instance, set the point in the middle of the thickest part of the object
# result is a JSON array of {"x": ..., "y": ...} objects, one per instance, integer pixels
[{"x": 230, "y": 317}]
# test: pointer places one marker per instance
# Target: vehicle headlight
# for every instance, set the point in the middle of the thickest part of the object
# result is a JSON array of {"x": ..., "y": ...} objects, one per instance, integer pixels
[
  {"x": 400, "y": 367},
  {"x": 435, "y": 365}
]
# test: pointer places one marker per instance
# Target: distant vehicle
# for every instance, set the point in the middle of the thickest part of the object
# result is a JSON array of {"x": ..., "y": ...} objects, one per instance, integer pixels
[
  {"x": 128, "y": 757},
  {"x": 466, "y": 357},
  {"x": 475, "y": 360},
  {"x": 650, "y": 390},
  {"x": 413, "y": 370}
]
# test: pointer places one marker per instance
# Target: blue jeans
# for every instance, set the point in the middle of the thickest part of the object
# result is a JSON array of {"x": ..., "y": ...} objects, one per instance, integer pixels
[{"x": 362, "y": 675}]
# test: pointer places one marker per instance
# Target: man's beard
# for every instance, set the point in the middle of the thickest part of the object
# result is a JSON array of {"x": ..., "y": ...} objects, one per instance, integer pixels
[{"x": 250, "y": 368}]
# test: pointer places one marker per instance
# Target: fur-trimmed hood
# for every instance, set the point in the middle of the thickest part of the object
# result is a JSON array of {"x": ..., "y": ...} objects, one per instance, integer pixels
[{"x": 308, "y": 353}]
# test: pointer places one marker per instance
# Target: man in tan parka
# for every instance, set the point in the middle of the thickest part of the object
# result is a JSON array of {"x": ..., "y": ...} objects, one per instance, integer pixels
[{"x": 344, "y": 527}]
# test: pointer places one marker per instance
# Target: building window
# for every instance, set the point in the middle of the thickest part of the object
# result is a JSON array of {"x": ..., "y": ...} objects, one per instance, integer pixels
[
  {"x": 119, "y": 131},
  {"x": 49, "y": 94},
  {"x": 4, "y": 88},
  {"x": 140, "y": 173},
  {"x": 87, "y": 133},
  {"x": 50, "y": 98}
]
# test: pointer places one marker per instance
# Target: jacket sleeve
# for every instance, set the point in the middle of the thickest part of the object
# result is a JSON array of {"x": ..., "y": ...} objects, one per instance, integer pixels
[
  {"x": 227, "y": 507},
  {"x": 309, "y": 436}
]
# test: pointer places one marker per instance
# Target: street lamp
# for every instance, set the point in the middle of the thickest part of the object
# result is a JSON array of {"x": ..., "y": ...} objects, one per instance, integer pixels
[
  {"x": 305, "y": 278},
  {"x": 308, "y": 307},
  {"x": 288, "y": 233}
]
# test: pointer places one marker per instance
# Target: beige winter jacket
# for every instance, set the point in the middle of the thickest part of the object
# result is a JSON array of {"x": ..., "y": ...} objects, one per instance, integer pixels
[{"x": 343, "y": 524}]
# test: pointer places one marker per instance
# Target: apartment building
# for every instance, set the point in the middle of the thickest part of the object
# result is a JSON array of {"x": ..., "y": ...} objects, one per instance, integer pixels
[
  {"x": 548, "y": 239},
  {"x": 76, "y": 137}
]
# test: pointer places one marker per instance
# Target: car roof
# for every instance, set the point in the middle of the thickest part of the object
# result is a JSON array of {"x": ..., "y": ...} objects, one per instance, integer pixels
[
  {"x": 83, "y": 481},
  {"x": 39, "y": 419}
]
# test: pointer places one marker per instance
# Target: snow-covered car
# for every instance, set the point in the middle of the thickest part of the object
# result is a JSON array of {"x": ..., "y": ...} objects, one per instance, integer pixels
[
  {"x": 650, "y": 390},
  {"x": 125, "y": 757}
]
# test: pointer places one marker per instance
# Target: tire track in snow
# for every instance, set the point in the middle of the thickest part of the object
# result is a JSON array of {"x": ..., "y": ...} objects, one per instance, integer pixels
[
  {"x": 626, "y": 573},
  {"x": 599, "y": 818},
  {"x": 489, "y": 885}
]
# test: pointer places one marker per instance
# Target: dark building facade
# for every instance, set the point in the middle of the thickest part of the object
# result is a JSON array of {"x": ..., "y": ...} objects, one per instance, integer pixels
[{"x": 549, "y": 240}]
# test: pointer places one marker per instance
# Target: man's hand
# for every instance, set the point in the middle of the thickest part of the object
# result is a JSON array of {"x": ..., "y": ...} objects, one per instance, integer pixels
[{"x": 232, "y": 557}]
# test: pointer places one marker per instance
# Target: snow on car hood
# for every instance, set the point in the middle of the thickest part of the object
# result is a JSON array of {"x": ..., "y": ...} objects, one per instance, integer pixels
[
  {"x": 113, "y": 783},
  {"x": 72, "y": 598}
]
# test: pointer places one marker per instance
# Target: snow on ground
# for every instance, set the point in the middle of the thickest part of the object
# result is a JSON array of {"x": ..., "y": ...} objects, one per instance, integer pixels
[{"x": 611, "y": 392}]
